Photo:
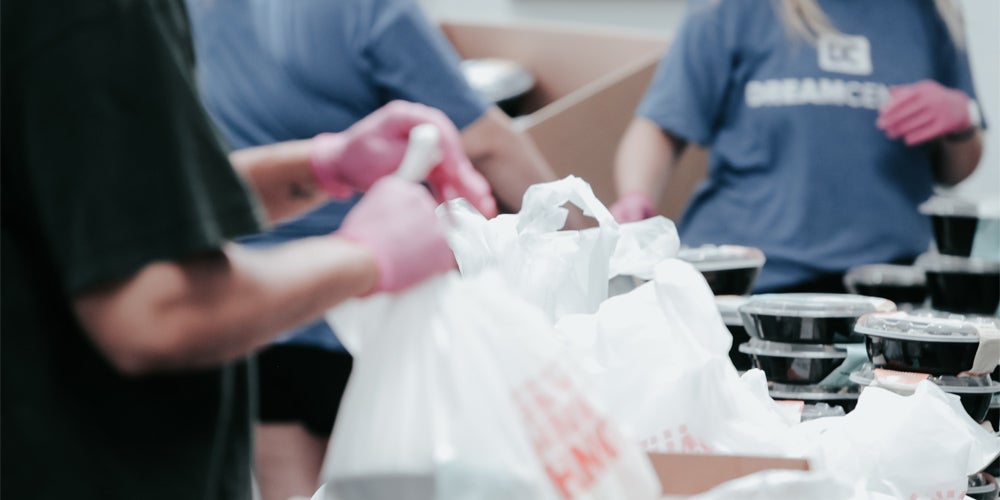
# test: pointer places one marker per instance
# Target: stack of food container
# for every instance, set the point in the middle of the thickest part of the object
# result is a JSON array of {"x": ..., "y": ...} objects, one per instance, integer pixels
[
  {"x": 806, "y": 345},
  {"x": 957, "y": 353},
  {"x": 963, "y": 276},
  {"x": 730, "y": 271}
]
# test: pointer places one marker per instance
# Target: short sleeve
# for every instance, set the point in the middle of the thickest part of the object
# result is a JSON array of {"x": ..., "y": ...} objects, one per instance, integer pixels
[
  {"x": 688, "y": 90},
  {"x": 123, "y": 165},
  {"x": 410, "y": 59}
]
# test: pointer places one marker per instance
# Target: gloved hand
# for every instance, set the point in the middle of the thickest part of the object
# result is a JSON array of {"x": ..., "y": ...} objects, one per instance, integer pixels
[
  {"x": 633, "y": 206},
  {"x": 923, "y": 111},
  {"x": 396, "y": 221},
  {"x": 372, "y": 148}
]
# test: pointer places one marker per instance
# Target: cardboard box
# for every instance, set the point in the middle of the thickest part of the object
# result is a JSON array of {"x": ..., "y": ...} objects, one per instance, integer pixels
[
  {"x": 684, "y": 474},
  {"x": 588, "y": 84}
]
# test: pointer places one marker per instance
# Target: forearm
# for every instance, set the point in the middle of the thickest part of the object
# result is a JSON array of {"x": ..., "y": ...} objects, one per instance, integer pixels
[
  {"x": 280, "y": 175},
  {"x": 958, "y": 158},
  {"x": 507, "y": 158},
  {"x": 645, "y": 159},
  {"x": 208, "y": 310}
]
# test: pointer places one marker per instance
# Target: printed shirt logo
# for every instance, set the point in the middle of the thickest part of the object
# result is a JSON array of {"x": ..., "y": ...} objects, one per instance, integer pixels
[
  {"x": 851, "y": 55},
  {"x": 816, "y": 92}
]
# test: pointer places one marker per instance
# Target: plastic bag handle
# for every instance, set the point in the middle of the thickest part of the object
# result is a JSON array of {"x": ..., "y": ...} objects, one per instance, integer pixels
[
  {"x": 422, "y": 153},
  {"x": 542, "y": 212}
]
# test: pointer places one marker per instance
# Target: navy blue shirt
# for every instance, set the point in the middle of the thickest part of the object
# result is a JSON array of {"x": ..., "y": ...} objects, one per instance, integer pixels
[
  {"x": 797, "y": 166},
  {"x": 276, "y": 70}
]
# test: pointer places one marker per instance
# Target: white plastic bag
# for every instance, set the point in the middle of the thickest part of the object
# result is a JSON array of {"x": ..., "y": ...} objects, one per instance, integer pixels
[
  {"x": 458, "y": 392},
  {"x": 642, "y": 245},
  {"x": 918, "y": 446},
  {"x": 562, "y": 272},
  {"x": 657, "y": 357},
  {"x": 790, "y": 485}
]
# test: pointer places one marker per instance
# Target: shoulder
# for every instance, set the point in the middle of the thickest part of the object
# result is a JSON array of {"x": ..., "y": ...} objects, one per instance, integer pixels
[
  {"x": 32, "y": 28},
  {"x": 732, "y": 23}
]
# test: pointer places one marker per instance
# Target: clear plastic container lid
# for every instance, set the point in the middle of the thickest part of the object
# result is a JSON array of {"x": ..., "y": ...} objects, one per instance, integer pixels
[
  {"x": 886, "y": 274},
  {"x": 906, "y": 326},
  {"x": 950, "y": 206},
  {"x": 971, "y": 318},
  {"x": 816, "y": 305},
  {"x": 729, "y": 306},
  {"x": 932, "y": 262},
  {"x": 812, "y": 392},
  {"x": 782, "y": 350},
  {"x": 708, "y": 258},
  {"x": 972, "y": 384},
  {"x": 497, "y": 79}
]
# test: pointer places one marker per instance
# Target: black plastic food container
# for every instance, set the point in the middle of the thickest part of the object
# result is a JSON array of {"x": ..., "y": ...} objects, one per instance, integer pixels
[
  {"x": 923, "y": 344},
  {"x": 900, "y": 284},
  {"x": 809, "y": 318},
  {"x": 975, "y": 392},
  {"x": 961, "y": 285},
  {"x": 844, "y": 397},
  {"x": 728, "y": 308},
  {"x": 954, "y": 222},
  {"x": 728, "y": 269},
  {"x": 982, "y": 487},
  {"x": 794, "y": 364},
  {"x": 993, "y": 414}
]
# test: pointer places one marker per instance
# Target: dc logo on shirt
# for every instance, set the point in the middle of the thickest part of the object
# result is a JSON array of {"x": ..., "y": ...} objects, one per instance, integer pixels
[{"x": 845, "y": 54}]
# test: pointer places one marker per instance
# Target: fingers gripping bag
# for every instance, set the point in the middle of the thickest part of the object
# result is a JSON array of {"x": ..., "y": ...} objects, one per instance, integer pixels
[
  {"x": 458, "y": 392},
  {"x": 562, "y": 272}
]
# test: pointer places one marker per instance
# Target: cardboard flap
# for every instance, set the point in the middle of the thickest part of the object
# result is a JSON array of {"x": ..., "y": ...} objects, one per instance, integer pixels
[{"x": 682, "y": 474}]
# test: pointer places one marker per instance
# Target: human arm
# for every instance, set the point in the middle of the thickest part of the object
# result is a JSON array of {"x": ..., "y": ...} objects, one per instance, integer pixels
[
  {"x": 928, "y": 111},
  {"x": 506, "y": 157},
  {"x": 280, "y": 176},
  {"x": 958, "y": 158},
  {"x": 214, "y": 307},
  {"x": 292, "y": 177},
  {"x": 206, "y": 310},
  {"x": 643, "y": 163}
]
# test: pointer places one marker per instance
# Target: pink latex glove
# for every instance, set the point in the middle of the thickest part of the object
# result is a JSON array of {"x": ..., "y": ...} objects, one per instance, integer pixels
[
  {"x": 351, "y": 161},
  {"x": 396, "y": 221},
  {"x": 633, "y": 206},
  {"x": 923, "y": 111}
]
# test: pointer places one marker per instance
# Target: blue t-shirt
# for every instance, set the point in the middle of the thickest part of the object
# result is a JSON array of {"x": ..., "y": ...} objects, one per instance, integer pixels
[
  {"x": 276, "y": 70},
  {"x": 797, "y": 166}
]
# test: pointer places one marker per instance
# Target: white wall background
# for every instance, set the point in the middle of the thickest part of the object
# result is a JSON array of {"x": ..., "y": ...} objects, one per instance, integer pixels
[{"x": 663, "y": 16}]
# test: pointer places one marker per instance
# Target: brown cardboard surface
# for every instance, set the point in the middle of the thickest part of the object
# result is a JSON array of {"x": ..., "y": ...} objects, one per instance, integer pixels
[
  {"x": 684, "y": 474},
  {"x": 588, "y": 84}
]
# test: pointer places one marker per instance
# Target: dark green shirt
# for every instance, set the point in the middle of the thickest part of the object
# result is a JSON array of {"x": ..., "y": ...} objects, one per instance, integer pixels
[{"x": 108, "y": 164}]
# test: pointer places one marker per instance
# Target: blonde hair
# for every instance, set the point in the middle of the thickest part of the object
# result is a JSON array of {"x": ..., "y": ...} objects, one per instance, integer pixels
[{"x": 806, "y": 20}]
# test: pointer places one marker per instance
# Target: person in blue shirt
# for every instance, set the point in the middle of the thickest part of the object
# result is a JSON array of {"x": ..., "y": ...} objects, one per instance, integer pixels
[
  {"x": 827, "y": 123},
  {"x": 275, "y": 70}
]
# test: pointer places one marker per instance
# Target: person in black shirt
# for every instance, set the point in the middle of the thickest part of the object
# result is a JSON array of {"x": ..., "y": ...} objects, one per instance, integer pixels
[{"x": 127, "y": 315}]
